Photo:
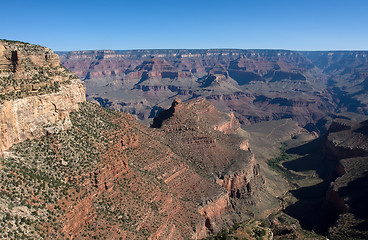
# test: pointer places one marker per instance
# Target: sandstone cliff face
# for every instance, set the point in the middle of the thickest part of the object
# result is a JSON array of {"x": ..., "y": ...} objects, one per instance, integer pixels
[
  {"x": 14, "y": 56},
  {"x": 213, "y": 211},
  {"x": 35, "y": 116},
  {"x": 37, "y": 93}
]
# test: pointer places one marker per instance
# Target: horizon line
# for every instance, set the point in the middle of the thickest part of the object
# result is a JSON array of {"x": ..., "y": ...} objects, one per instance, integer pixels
[{"x": 188, "y": 49}]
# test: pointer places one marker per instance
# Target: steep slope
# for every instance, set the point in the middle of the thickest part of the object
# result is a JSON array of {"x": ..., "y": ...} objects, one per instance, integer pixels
[{"x": 109, "y": 172}]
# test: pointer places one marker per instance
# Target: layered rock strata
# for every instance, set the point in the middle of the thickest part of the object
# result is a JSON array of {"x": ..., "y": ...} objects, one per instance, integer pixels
[
  {"x": 38, "y": 94},
  {"x": 196, "y": 130},
  {"x": 257, "y": 85}
]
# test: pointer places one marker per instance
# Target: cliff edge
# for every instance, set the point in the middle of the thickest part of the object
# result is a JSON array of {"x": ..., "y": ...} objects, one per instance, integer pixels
[{"x": 36, "y": 93}]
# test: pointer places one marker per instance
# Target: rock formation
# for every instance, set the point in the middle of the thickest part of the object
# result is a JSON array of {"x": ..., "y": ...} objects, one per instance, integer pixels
[
  {"x": 37, "y": 93},
  {"x": 196, "y": 131}
]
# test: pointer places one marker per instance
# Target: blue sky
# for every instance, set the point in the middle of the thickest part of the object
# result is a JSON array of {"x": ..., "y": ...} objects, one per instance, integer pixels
[{"x": 143, "y": 24}]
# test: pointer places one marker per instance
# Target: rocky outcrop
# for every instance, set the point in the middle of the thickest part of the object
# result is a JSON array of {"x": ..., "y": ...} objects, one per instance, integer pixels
[
  {"x": 230, "y": 126},
  {"x": 208, "y": 141},
  {"x": 242, "y": 182},
  {"x": 346, "y": 140},
  {"x": 14, "y": 55},
  {"x": 166, "y": 114},
  {"x": 29, "y": 70},
  {"x": 340, "y": 125},
  {"x": 213, "y": 211},
  {"x": 38, "y": 94}
]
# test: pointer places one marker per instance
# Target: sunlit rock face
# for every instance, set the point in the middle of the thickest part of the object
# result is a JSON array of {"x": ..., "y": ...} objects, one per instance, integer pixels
[{"x": 37, "y": 93}]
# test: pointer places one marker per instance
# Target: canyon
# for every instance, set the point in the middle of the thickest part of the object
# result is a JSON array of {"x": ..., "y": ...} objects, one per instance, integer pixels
[
  {"x": 262, "y": 144},
  {"x": 72, "y": 169},
  {"x": 256, "y": 85}
]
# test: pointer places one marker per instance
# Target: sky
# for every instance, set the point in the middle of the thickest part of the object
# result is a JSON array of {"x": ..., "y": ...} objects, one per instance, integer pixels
[{"x": 174, "y": 24}]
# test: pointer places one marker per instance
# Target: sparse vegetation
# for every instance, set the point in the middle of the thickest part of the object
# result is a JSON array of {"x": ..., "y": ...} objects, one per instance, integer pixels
[
  {"x": 45, "y": 177},
  {"x": 274, "y": 162},
  {"x": 39, "y": 174},
  {"x": 252, "y": 229},
  {"x": 25, "y": 76}
]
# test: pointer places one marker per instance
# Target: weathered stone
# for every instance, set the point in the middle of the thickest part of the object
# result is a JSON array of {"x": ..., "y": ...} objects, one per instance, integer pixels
[{"x": 36, "y": 113}]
